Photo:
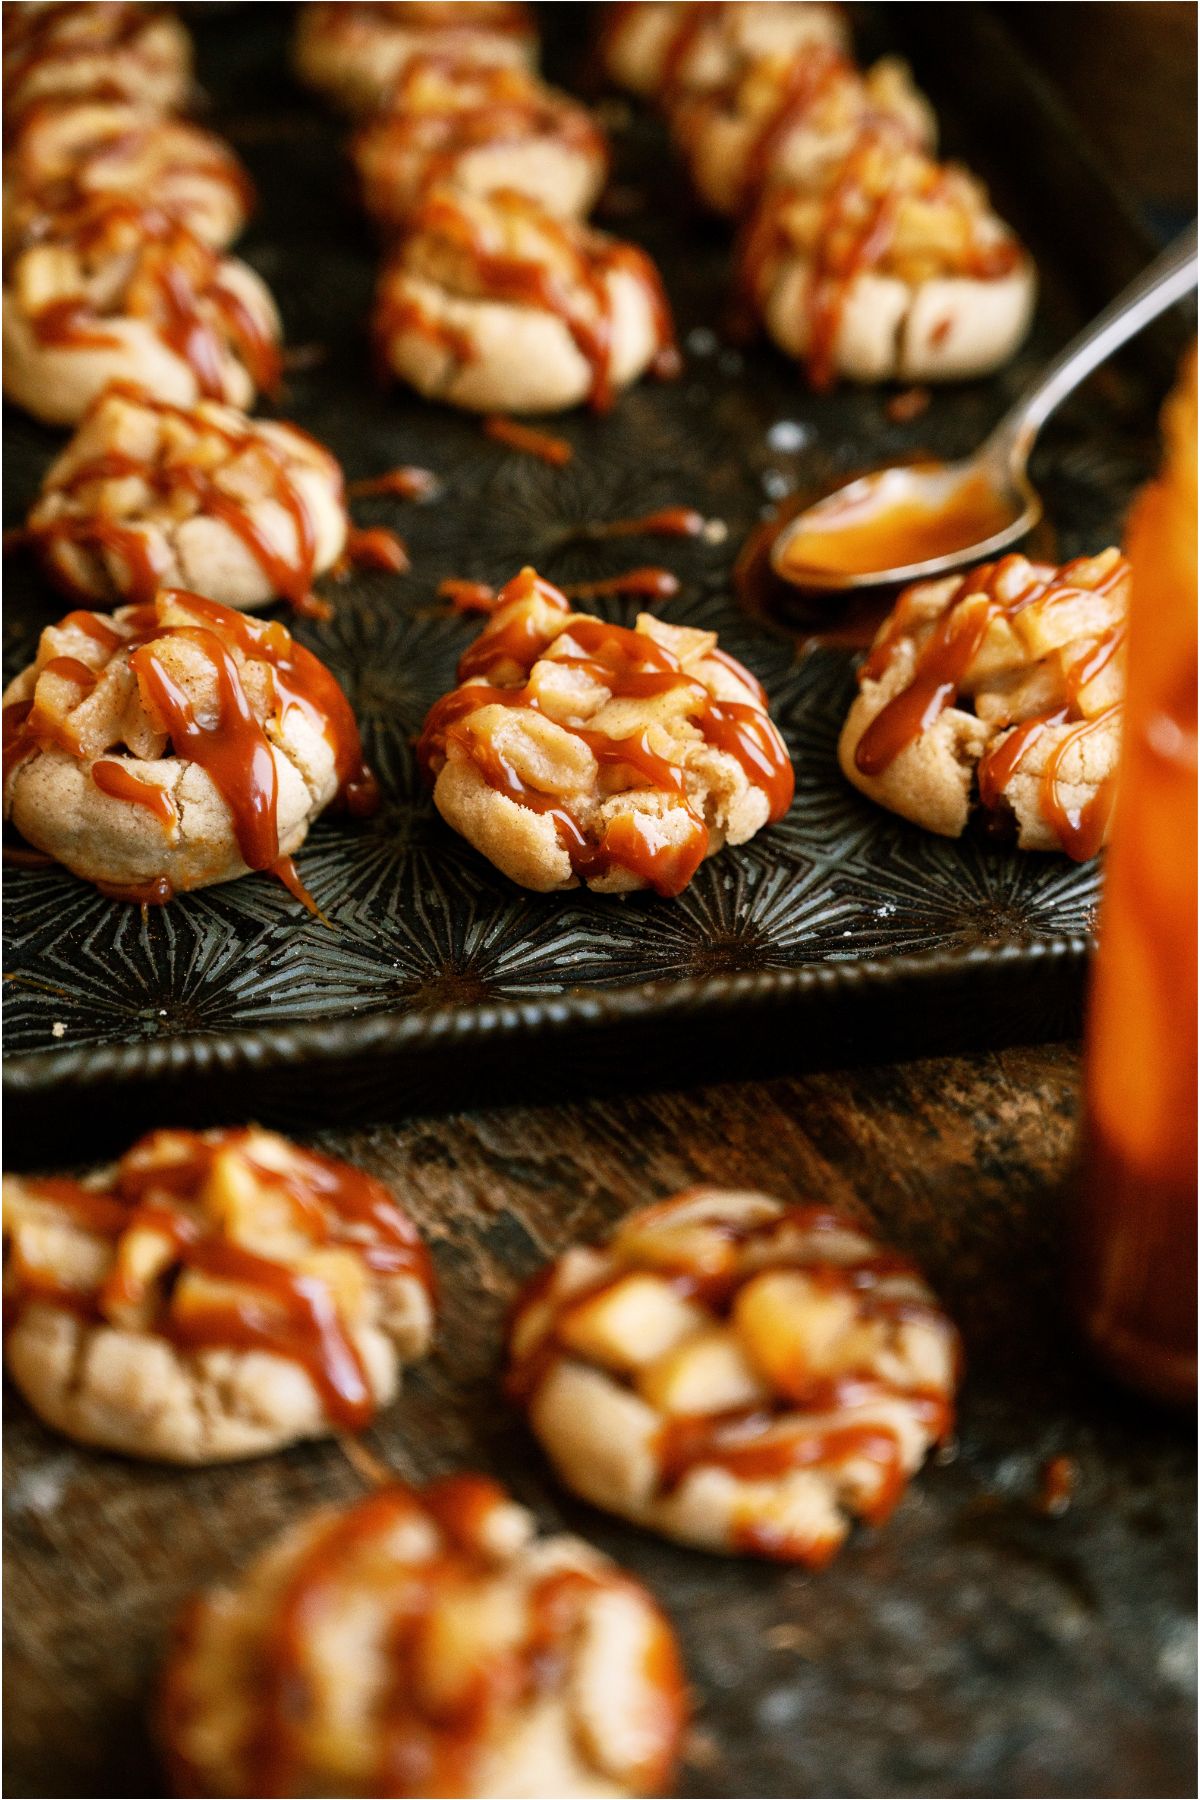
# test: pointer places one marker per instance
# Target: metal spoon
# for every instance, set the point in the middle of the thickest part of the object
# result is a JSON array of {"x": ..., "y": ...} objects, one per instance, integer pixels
[{"x": 1001, "y": 460}]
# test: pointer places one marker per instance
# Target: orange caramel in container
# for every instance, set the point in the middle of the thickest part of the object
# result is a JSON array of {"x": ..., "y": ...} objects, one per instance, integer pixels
[{"x": 1136, "y": 1205}]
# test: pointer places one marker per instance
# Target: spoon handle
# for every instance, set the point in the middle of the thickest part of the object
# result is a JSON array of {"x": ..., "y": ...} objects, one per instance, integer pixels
[{"x": 1168, "y": 278}]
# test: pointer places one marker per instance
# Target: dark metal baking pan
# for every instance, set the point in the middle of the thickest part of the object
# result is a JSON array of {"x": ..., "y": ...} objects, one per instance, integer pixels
[{"x": 841, "y": 931}]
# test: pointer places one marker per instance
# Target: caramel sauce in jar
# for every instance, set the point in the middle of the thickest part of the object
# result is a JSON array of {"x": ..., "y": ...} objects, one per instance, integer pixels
[{"x": 1135, "y": 1205}]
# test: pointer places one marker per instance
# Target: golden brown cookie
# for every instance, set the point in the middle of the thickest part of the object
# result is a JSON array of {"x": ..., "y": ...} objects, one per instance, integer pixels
[
  {"x": 578, "y": 751},
  {"x": 784, "y": 119},
  {"x": 66, "y": 149},
  {"x": 111, "y": 49},
  {"x": 736, "y": 1373},
  {"x": 494, "y": 305},
  {"x": 114, "y": 289},
  {"x": 888, "y": 265},
  {"x": 1002, "y": 689},
  {"x": 666, "y": 48},
  {"x": 352, "y": 51},
  {"x": 148, "y": 494},
  {"x": 479, "y": 130},
  {"x": 166, "y": 747}
]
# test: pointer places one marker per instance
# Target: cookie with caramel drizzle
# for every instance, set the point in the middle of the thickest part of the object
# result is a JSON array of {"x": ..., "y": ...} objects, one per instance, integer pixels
[
  {"x": 578, "y": 751},
  {"x": 149, "y": 494},
  {"x": 736, "y": 1373},
  {"x": 211, "y": 1296},
  {"x": 169, "y": 746},
  {"x": 887, "y": 265},
  {"x": 425, "y": 1642},
  {"x": 461, "y": 125},
  {"x": 664, "y": 49},
  {"x": 116, "y": 289},
  {"x": 65, "y": 149},
  {"x": 1000, "y": 690},
  {"x": 494, "y": 305},
  {"x": 785, "y": 118}
]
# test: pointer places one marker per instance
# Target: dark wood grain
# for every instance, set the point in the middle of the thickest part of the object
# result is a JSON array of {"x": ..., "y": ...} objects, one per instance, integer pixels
[{"x": 971, "y": 1647}]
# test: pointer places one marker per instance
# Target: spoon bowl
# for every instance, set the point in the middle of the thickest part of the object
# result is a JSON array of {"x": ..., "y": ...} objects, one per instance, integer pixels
[
  {"x": 906, "y": 523},
  {"x": 909, "y": 523}
]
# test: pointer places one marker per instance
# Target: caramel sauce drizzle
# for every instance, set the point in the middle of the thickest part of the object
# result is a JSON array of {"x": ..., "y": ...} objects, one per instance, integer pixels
[
  {"x": 629, "y": 665},
  {"x": 229, "y": 743},
  {"x": 115, "y": 779},
  {"x": 377, "y": 548},
  {"x": 179, "y": 286},
  {"x": 405, "y": 483},
  {"x": 291, "y": 577},
  {"x": 748, "y": 1441},
  {"x": 468, "y": 596},
  {"x": 667, "y": 521},
  {"x": 274, "y": 1307},
  {"x": 942, "y": 666},
  {"x": 649, "y": 583},
  {"x": 425, "y": 1750},
  {"x": 524, "y": 280},
  {"x": 541, "y": 444}
]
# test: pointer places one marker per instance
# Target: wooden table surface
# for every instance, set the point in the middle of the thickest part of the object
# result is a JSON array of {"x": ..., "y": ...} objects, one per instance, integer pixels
[{"x": 973, "y": 1646}]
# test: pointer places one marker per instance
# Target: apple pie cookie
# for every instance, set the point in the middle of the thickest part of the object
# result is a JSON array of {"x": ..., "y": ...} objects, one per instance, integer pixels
[
  {"x": 149, "y": 495},
  {"x": 888, "y": 265},
  {"x": 353, "y": 51},
  {"x": 211, "y": 1296},
  {"x": 65, "y": 150},
  {"x": 165, "y": 747},
  {"x": 138, "y": 53},
  {"x": 494, "y": 305},
  {"x": 1002, "y": 689},
  {"x": 478, "y": 130},
  {"x": 735, "y": 1373},
  {"x": 117, "y": 290},
  {"x": 424, "y": 1642},
  {"x": 664, "y": 48},
  {"x": 786, "y": 118},
  {"x": 578, "y": 751}
]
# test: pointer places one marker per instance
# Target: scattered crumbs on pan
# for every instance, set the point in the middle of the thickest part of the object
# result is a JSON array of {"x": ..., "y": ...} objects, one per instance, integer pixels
[
  {"x": 775, "y": 484},
  {"x": 715, "y": 531},
  {"x": 700, "y": 341},
  {"x": 58, "y": 1029}
]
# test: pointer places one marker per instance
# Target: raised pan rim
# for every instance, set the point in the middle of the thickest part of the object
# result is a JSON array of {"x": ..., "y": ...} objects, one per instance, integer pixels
[{"x": 390, "y": 1033}]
